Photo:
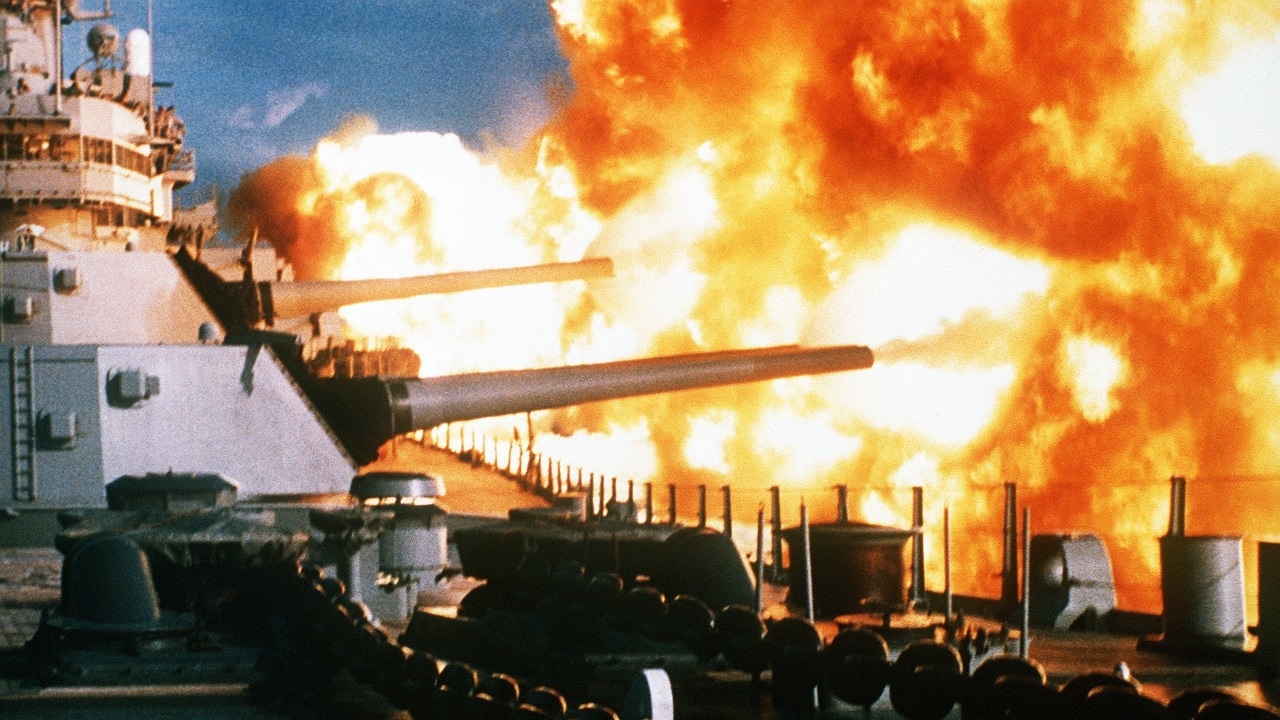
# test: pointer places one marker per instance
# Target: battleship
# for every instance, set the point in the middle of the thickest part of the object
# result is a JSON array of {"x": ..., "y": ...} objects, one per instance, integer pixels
[{"x": 199, "y": 523}]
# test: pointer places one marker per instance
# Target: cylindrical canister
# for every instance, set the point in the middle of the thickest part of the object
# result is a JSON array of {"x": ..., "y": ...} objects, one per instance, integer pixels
[
  {"x": 1202, "y": 586},
  {"x": 416, "y": 542}
]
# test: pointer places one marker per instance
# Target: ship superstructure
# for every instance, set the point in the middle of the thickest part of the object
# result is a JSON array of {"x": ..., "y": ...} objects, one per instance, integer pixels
[
  {"x": 102, "y": 366},
  {"x": 89, "y": 162}
]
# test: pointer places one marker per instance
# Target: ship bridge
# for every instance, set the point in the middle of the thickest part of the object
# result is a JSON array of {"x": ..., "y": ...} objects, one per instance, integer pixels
[
  {"x": 86, "y": 158},
  {"x": 96, "y": 154}
]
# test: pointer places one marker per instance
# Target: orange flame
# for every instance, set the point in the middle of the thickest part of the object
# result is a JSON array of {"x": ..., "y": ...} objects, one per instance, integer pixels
[{"x": 1024, "y": 205}]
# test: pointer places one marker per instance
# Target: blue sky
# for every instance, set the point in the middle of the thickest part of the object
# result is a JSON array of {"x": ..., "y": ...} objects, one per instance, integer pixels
[{"x": 256, "y": 80}]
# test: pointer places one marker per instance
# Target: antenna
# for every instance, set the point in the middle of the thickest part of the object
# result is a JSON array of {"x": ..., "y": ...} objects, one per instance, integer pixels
[
  {"x": 57, "y": 51},
  {"x": 151, "y": 84}
]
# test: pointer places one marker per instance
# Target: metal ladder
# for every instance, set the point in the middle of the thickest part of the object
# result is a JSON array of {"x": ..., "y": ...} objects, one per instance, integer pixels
[{"x": 22, "y": 405}]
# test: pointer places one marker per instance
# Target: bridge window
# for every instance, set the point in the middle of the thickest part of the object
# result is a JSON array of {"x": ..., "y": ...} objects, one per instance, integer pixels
[
  {"x": 14, "y": 147},
  {"x": 71, "y": 148},
  {"x": 118, "y": 215},
  {"x": 132, "y": 160},
  {"x": 97, "y": 150},
  {"x": 66, "y": 148}
]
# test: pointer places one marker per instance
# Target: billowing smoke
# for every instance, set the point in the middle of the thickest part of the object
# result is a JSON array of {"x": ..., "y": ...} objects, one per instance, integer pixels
[
  {"x": 1047, "y": 130},
  {"x": 292, "y": 204}
]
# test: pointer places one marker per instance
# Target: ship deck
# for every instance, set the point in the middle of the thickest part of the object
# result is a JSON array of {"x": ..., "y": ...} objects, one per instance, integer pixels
[
  {"x": 29, "y": 582},
  {"x": 701, "y": 695}
]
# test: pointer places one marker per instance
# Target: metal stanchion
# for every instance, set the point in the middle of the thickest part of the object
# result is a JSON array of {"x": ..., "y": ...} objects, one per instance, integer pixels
[
  {"x": 1024, "y": 641},
  {"x": 946, "y": 564},
  {"x": 775, "y": 500},
  {"x": 728, "y": 511},
  {"x": 806, "y": 552},
  {"x": 648, "y": 503},
  {"x": 760, "y": 560}
]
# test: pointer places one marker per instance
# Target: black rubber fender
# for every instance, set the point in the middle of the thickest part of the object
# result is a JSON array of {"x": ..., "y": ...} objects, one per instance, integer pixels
[
  {"x": 482, "y": 706},
  {"x": 691, "y": 622},
  {"x": 591, "y": 711},
  {"x": 1118, "y": 703},
  {"x": 793, "y": 644},
  {"x": 790, "y": 637},
  {"x": 524, "y": 711},
  {"x": 501, "y": 687},
  {"x": 690, "y": 614},
  {"x": 856, "y": 667},
  {"x": 979, "y": 702},
  {"x": 741, "y": 635},
  {"x": 1025, "y": 698},
  {"x": 457, "y": 676},
  {"x": 1077, "y": 689},
  {"x": 738, "y": 621},
  {"x": 421, "y": 670},
  {"x": 548, "y": 700},
  {"x": 927, "y": 681},
  {"x": 603, "y": 593},
  {"x": 449, "y": 704},
  {"x": 1187, "y": 703},
  {"x": 1225, "y": 709},
  {"x": 642, "y": 609}
]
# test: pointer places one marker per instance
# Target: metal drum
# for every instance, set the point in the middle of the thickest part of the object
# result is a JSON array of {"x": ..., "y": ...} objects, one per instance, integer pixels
[
  {"x": 1269, "y": 597},
  {"x": 1202, "y": 586},
  {"x": 416, "y": 543},
  {"x": 857, "y": 567}
]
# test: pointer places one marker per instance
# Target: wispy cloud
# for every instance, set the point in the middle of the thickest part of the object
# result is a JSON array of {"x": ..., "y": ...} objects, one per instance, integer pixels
[
  {"x": 280, "y": 104},
  {"x": 283, "y": 103},
  {"x": 242, "y": 118}
]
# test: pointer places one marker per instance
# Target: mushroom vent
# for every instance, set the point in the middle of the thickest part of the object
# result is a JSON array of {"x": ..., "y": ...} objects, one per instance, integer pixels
[
  {"x": 1071, "y": 580},
  {"x": 396, "y": 488},
  {"x": 106, "y": 582}
]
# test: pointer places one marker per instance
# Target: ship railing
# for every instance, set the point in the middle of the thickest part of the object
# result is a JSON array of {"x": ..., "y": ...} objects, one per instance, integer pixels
[
  {"x": 184, "y": 161},
  {"x": 542, "y": 474},
  {"x": 606, "y": 495}
]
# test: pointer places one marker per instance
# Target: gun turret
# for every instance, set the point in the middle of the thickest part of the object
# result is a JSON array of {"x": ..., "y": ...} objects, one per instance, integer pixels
[
  {"x": 365, "y": 413},
  {"x": 299, "y": 299}
]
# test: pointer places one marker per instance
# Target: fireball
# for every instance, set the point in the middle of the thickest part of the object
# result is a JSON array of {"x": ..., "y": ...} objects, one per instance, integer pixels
[{"x": 1055, "y": 221}]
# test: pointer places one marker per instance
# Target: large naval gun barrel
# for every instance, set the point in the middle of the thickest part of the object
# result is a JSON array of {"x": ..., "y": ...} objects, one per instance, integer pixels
[
  {"x": 367, "y": 412},
  {"x": 302, "y": 298},
  {"x": 251, "y": 303}
]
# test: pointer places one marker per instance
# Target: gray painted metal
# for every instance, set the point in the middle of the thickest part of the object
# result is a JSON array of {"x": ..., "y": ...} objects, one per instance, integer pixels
[
  {"x": 395, "y": 485},
  {"x": 1202, "y": 586},
  {"x": 425, "y": 403},
  {"x": 121, "y": 298},
  {"x": 209, "y": 409},
  {"x": 22, "y": 413},
  {"x": 294, "y": 299},
  {"x": 1070, "y": 576}
]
